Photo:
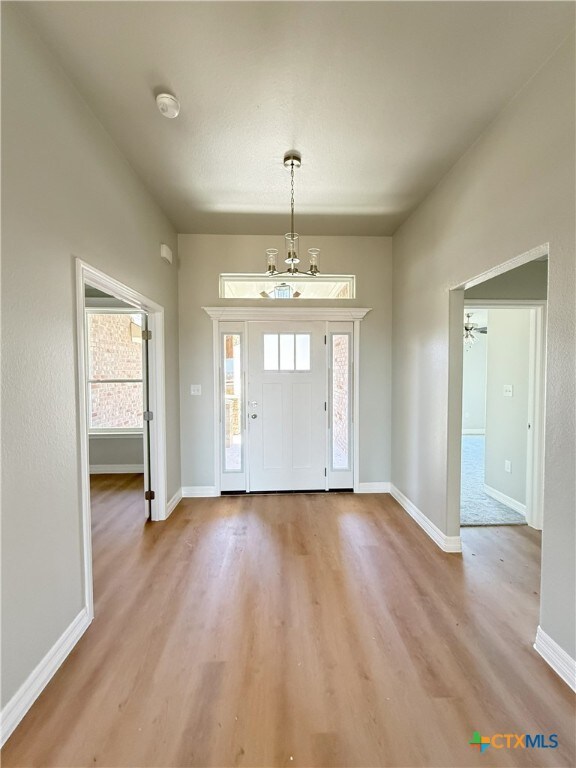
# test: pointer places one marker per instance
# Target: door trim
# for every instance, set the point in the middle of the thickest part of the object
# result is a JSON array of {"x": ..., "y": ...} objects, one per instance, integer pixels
[
  {"x": 88, "y": 274},
  {"x": 295, "y": 314},
  {"x": 298, "y": 314},
  {"x": 534, "y": 507},
  {"x": 456, "y": 300}
]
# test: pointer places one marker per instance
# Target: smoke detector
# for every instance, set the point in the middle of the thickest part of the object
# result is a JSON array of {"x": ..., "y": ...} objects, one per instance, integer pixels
[{"x": 168, "y": 105}]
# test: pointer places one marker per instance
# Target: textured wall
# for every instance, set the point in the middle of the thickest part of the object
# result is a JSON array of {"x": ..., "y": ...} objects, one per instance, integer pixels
[
  {"x": 66, "y": 193},
  {"x": 513, "y": 191}
]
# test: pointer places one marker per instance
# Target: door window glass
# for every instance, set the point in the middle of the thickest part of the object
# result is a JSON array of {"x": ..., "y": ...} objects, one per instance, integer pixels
[{"x": 286, "y": 351}]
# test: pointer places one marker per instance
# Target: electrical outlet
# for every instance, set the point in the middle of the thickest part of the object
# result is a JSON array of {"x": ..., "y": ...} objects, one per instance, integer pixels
[
  {"x": 507, "y": 466},
  {"x": 195, "y": 389},
  {"x": 508, "y": 390}
]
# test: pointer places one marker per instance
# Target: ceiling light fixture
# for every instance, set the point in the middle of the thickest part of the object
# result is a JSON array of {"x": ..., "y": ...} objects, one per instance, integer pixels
[
  {"x": 168, "y": 105},
  {"x": 292, "y": 160},
  {"x": 469, "y": 327}
]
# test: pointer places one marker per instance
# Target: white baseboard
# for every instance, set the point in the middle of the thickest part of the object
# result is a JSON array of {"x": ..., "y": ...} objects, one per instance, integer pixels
[
  {"x": 563, "y": 664},
  {"x": 473, "y": 431},
  {"x": 116, "y": 469},
  {"x": 373, "y": 488},
  {"x": 446, "y": 543},
  {"x": 191, "y": 491},
  {"x": 508, "y": 501},
  {"x": 173, "y": 503},
  {"x": 39, "y": 678}
]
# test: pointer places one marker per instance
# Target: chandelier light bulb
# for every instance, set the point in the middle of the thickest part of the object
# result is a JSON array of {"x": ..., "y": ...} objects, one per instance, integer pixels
[
  {"x": 292, "y": 249},
  {"x": 271, "y": 259},
  {"x": 313, "y": 253}
]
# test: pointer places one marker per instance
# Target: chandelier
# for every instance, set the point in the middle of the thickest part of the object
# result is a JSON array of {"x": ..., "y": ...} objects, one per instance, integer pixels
[
  {"x": 469, "y": 327},
  {"x": 292, "y": 160}
]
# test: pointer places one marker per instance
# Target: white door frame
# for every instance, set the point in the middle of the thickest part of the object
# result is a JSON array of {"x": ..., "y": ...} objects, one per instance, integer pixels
[
  {"x": 536, "y": 381},
  {"x": 457, "y": 302},
  {"x": 86, "y": 274},
  {"x": 284, "y": 314}
]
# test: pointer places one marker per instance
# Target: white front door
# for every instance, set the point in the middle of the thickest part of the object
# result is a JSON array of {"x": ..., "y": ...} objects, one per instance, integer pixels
[{"x": 287, "y": 402}]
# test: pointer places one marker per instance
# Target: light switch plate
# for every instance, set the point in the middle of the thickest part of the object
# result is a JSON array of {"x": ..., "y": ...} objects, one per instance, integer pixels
[
  {"x": 195, "y": 389},
  {"x": 508, "y": 390},
  {"x": 507, "y": 466}
]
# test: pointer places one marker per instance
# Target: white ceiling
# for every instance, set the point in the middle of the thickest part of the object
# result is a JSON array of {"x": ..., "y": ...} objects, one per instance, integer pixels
[{"x": 381, "y": 98}]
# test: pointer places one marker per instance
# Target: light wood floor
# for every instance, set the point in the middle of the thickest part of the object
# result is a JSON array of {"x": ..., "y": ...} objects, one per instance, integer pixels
[{"x": 313, "y": 630}]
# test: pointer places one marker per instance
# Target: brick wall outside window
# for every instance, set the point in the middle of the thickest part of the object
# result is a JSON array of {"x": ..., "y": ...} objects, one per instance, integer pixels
[
  {"x": 115, "y": 352},
  {"x": 340, "y": 400}
]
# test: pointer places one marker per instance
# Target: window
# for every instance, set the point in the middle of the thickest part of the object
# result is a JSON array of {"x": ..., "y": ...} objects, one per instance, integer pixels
[
  {"x": 340, "y": 400},
  {"x": 115, "y": 389},
  {"x": 232, "y": 351},
  {"x": 286, "y": 351},
  {"x": 239, "y": 286}
]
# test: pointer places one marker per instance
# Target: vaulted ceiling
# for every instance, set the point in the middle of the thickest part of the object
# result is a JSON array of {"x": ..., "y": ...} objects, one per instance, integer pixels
[{"x": 381, "y": 99}]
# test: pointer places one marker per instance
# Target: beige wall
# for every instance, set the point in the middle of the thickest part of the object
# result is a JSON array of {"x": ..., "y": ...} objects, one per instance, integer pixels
[
  {"x": 66, "y": 193},
  {"x": 204, "y": 257},
  {"x": 530, "y": 281},
  {"x": 513, "y": 191},
  {"x": 507, "y": 417},
  {"x": 116, "y": 450}
]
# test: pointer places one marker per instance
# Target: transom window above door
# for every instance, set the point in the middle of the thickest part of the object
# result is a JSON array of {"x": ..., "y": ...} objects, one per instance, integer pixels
[
  {"x": 250, "y": 286},
  {"x": 286, "y": 351}
]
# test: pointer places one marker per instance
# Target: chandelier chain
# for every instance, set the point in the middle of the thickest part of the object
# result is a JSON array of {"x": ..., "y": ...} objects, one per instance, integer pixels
[{"x": 292, "y": 196}]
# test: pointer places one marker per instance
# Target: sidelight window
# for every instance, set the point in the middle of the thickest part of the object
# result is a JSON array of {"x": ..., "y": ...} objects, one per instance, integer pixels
[
  {"x": 233, "y": 409},
  {"x": 340, "y": 400}
]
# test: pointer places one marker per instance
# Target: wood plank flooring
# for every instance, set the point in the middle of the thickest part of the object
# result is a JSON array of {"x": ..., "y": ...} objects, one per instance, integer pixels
[{"x": 287, "y": 630}]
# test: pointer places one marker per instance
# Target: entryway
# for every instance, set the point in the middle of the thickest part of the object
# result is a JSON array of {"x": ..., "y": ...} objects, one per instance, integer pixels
[{"x": 287, "y": 394}]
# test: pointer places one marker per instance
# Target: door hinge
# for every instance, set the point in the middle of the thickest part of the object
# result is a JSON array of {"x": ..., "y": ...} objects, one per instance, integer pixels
[
  {"x": 325, "y": 408},
  {"x": 324, "y": 338},
  {"x": 146, "y": 335},
  {"x": 324, "y": 471},
  {"x": 148, "y": 415},
  {"x": 149, "y": 496}
]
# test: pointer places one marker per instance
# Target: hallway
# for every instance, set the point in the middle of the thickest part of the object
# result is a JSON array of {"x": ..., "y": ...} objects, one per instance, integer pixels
[{"x": 298, "y": 630}]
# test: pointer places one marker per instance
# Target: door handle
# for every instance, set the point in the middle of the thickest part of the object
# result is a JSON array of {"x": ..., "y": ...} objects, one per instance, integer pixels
[{"x": 254, "y": 416}]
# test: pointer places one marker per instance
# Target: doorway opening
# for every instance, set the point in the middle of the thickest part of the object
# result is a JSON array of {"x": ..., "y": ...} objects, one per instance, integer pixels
[
  {"x": 497, "y": 384},
  {"x": 116, "y": 387},
  {"x": 500, "y": 387},
  {"x": 120, "y": 340}
]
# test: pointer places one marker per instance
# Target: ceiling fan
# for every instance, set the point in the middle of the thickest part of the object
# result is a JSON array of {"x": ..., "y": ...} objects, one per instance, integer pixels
[{"x": 471, "y": 330}]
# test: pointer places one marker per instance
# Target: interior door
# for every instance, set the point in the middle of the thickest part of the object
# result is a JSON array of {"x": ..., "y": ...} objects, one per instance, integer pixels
[
  {"x": 287, "y": 401},
  {"x": 149, "y": 494}
]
